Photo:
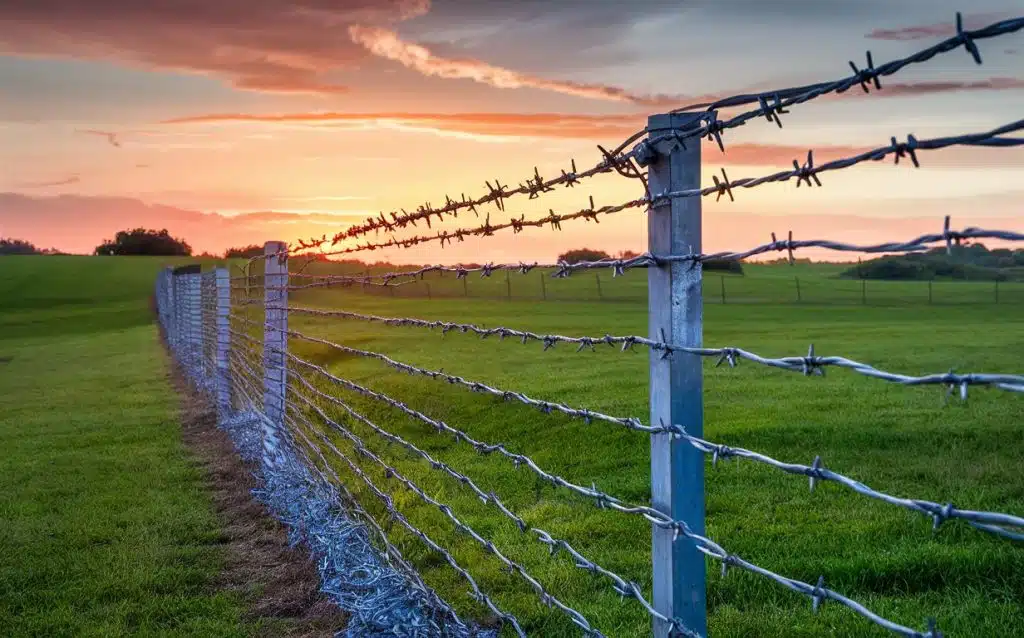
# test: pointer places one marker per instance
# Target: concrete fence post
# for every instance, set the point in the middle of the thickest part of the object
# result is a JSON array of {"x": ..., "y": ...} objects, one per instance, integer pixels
[
  {"x": 275, "y": 344},
  {"x": 675, "y": 315},
  {"x": 223, "y": 332}
]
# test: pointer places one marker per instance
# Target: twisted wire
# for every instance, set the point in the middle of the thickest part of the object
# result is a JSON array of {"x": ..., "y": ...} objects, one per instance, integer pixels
[
  {"x": 806, "y": 173},
  {"x": 619, "y": 584},
  {"x": 981, "y": 520},
  {"x": 618, "y": 267},
  {"x": 807, "y": 365},
  {"x": 395, "y": 514},
  {"x": 818, "y": 593},
  {"x": 772, "y": 104},
  {"x": 392, "y": 472}
]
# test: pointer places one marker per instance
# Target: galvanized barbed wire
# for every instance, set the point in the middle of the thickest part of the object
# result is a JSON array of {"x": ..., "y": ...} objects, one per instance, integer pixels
[
  {"x": 619, "y": 584},
  {"x": 392, "y": 554},
  {"x": 985, "y": 521},
  {"x": 619, "y": 266},
  {"x": 807, "y": 365},
  {"x": 817, "y": 593},
  {"x": 992, "y": 522},
  {"x": 391, "y": 472},
  {"x": 367, "y": 611},
  {"x": 771, "y": 105},
  {"x": 807, "y": 173},
  {"x": 396, "y": 515}
]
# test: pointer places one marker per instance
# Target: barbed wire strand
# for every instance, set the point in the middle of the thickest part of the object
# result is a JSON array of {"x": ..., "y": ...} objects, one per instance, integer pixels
[
  {"x": 817, "y": 593},
  {"x": 981, "y": 520},
  {"x": 618, "y": 267},
  {"x": 771, "y": 105},
  {"x": 804, "y": 174},
  {"x": 808, "y": 365},
  {"x": 619, "y": 584},
  {"x": 391, "y": 554}
]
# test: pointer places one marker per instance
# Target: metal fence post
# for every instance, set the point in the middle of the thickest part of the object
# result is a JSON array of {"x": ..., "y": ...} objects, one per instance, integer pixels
[
  {"x": 675, "y": 315},
  {"x": 798, "y": 297},
  {"x": 721, "y": 281},
  {"x": 508, "y": 286},
  {"x": 195, "y": 324},
  {"x": 223, "y": 384},
  {"x": 600, "y": 295},
  {"x": 275, "y": 344},
  {"x": 543, "y": 288}
]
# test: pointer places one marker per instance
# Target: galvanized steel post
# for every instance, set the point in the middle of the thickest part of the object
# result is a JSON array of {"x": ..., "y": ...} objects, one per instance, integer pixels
[
  {"x": 223, "y": 331},
  {"x": 275, "y": 344},
  {"x": 675, "y": 307}
]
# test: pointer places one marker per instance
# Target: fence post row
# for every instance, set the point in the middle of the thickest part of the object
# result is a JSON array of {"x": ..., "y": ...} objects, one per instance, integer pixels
[
  {"x": 675, "y": 308},
  {"x": 275, "y": 341},
  {"x": 222, "y": 317}
]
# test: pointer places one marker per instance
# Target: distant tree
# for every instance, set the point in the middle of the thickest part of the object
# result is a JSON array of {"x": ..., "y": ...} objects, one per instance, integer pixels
[
  {"x": 142, "y": 241},
  {"x": 627, "y": 254},
  {"x": 18, "y": 247},
  {"x": 583, "y": 254},
  {"x": 243, "y": 251}
]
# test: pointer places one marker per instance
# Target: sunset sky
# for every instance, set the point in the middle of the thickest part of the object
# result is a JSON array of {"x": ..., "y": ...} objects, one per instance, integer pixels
[{"x": 232, "y": 122}]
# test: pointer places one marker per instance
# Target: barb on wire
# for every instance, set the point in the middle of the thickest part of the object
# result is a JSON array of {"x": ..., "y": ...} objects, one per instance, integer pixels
[
  {"x": 818, "y": 594},
  {"x": 620, "y": 585},
  {"x": 807, "y": 365}
]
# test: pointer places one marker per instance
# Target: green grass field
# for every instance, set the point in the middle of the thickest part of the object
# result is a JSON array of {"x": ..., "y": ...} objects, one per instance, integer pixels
[
  {"x": 105, "y": 528},
  {"x": 901, "y": 440},
  {"x": 810, "y": 284}
]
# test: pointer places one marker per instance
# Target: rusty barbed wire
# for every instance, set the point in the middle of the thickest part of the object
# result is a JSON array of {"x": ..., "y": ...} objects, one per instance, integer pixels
[
  {"x": 619, "y": 584},
  {"x": 807, "y": 173},
  {"x": 772, "y": 104},
  {"x": 808, "y": 365},
  {"x": 817, "y": 593}
]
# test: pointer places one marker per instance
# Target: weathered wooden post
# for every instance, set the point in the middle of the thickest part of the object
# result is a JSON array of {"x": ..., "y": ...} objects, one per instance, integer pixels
[
  {"x": 275, "y": 344},
  {"x": 675, "y": 314}
]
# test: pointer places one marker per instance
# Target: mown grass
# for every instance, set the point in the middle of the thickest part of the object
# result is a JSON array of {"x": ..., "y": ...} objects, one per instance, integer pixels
[
  {"x": 902, "y": 440},
  {"x": 105, "y": 528}
]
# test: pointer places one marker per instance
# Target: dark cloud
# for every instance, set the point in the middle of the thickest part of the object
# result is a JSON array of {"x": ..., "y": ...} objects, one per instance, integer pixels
[
  {"x": 265, "y": 45},
  {"x": 110, "y": 136},
  {"x": 937, "y": 30}
]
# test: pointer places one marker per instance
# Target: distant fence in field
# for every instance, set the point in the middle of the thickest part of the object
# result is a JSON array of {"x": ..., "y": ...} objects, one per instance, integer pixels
[
  {"x": 236, "y": 338},
  {"x": 717, "y": 289}
]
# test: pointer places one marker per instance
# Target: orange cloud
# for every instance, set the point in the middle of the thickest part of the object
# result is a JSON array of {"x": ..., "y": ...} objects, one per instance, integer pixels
[
  {"x": 549, "y": 125},
  {"x": 280, "y": 46},
  {"x": 386, "y": 44},
  {"x": 74, "y": 179}
]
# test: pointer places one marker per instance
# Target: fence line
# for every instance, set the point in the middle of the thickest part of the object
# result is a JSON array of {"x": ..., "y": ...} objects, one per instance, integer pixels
[{"x": 233, "y": 336}]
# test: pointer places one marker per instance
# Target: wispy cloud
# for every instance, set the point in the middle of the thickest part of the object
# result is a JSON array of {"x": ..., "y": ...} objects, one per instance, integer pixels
[
  {"x": 387, "y": 44},
  {"x": 110, "y": 136},
  {"x": 277, "y": 46},
  {"x": 474, "y": 125},
  {"x": 938, "y": 30},
  {"x": 67, "y": 181}
]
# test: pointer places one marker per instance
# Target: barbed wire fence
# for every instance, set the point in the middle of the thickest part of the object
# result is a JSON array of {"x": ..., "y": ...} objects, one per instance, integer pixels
[{"x": 232, "y": 337}]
